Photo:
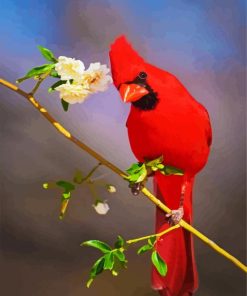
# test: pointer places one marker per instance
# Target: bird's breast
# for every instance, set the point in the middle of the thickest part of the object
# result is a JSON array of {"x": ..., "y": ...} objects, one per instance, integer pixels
[{"x": 177, "y": 135}]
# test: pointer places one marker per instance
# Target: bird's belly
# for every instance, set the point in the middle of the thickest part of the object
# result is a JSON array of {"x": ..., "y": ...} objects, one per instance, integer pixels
[{"x": 182, "y": 145}]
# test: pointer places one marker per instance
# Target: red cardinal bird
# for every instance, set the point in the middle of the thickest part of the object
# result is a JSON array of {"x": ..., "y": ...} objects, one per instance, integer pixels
[{"x": 165, "y": 120}]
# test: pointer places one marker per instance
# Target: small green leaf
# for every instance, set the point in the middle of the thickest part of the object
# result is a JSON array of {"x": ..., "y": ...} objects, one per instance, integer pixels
[
  {"x": 160, "y": 166},
  {"x": 152, "y": 240},
  {"x": 66, "y": 195},
  {"x": 97, "y": 268},
  {"x": 159, "y": 263},
  {"x": 47, "y": 54},
  {"x": 137, "y": 173},
  {"x": 109, "y": 261},
  {"x": 120, "y": 255},
  {"x": 36, "y": 71},
  {"x": 105, "y": 248},
  {"x": 56, "y": 84},
  {"x": 154, "y": 162},
  {"x": 54, "y": 74},
  {"x": 144, "y": 249},
  {"x": 134, "y": 167},
  {"x": 65, "y": 105},
  {"x": 67, "y": 186},
  {"x": 170, "y": 170},
  {"x": 120, "y": 242}
]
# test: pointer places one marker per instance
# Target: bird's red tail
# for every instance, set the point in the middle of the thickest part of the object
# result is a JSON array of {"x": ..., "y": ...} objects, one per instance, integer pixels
[{"x": 176, "y": 247}]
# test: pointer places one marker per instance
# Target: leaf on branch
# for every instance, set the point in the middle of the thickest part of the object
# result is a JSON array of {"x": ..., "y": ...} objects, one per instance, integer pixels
[
  {"x": 137, "y": 173},
  {"x": 109, "y": 261},
  {"x": 67, "y": 186},
  {"x": 103, "y": 247},
  {"x": 120, "y": 242},
  {"x": 56, "y": 84},
  {"x": 54, "y": 74},
  {"x": 36, "y": 71},
  {"x": 120, "y": 255},
  {"x": 65, "y": 105},
  {"x": 154, "y": 162},
  {"x": 152, "y": 240},
  {"x": 144, "y": 249},
  {"x": 47, "y": 54},
  {"x": 97, "y": 268},
  {"x": 170, "y": 170},
  {"x": 159, "y": 263}
]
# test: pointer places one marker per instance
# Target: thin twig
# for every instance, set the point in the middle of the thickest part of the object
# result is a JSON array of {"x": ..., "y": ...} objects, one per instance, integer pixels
[
  {"x": 115, "y": 169},
  {"x": 135, "y": 240}
]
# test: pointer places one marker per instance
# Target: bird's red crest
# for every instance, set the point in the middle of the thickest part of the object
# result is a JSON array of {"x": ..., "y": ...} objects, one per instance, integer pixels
[{"x": 126, "y": 63}]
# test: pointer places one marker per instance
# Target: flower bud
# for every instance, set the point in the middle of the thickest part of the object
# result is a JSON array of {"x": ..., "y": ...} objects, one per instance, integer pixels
[
  {"x": 111, "y": 188},
  {"x": 101, "y": 207}
]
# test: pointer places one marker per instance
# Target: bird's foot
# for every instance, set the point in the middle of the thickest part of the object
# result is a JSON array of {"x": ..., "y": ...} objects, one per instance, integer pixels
[
  {"x": 175, "y": 216},
  {"x": 136, "y": 188}
]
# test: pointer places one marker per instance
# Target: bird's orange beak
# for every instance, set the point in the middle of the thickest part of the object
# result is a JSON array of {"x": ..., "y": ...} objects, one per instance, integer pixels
[{"x": 132, "y": 92}]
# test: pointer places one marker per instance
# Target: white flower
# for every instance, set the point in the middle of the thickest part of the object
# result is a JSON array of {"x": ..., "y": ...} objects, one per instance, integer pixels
[
  {"x": 72, "y": 93},
  {"x": 96, "y": 77},
  {"x": 111, "y": 188},
  {"x": 69, "y": 68},
  {"x": 101, "y": 207}
]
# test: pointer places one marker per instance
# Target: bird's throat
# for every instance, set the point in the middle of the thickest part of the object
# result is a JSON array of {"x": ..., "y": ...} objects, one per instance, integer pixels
[{"x": 147, "y": 102}]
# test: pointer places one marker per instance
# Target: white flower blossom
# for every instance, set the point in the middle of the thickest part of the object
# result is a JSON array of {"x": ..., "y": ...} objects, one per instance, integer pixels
[
  {"x": 96, "y": 77},
  {"x": 69, "y": 68},
  {"x": 72, "y": 92},
  {"x": 101, "y": 207}
]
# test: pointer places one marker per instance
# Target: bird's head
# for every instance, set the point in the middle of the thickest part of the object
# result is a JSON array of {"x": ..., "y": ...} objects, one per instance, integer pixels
[{"x": 131, "y": 75}]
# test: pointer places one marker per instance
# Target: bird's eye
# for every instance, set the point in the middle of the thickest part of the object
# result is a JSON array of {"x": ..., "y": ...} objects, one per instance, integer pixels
[{"x": 142, "y": 75}]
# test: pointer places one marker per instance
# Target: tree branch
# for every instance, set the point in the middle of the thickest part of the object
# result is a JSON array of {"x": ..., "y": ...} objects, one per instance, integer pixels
[{"x": 115, "y": 169}]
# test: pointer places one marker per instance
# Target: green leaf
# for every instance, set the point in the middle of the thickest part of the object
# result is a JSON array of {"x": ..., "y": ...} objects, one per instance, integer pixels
[
  {"x": 78, "y": 177},
  {"x": 105, "y": 248},
  {"x": 47, "y": 54},
  {"x": 97, "y": 268},
  {"x": 56, "y": 84},
  {"x": 134, "y": 167},
  {"x": 160, "y": 166},
  {"x": 54, "y": 74},
  {"x": 120, "y": 255},
  {"x": 37, "y": 71},
  {"x": 159, "y": 263},
  {"x": 170, "y": 170},
  {"x": 65, "y": 105},
  {"x": 152, "y": 240},
  {"x": 144, "y": 249},
  {"x": 66, "y": 195},
  {"x": 137, "y": 173},
  {"x": 67, "y": 186},
  {"x": 109, "y": 261},
  {"x": 120, "y": 242},
  {"x": 154, "y": 162}
]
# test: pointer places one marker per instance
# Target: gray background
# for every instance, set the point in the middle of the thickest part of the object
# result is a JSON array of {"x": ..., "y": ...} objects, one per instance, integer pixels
[{"x": 203, "y": 45}]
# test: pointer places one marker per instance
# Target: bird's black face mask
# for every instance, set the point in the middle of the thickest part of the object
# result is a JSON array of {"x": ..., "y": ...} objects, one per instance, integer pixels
[{"x": 139, "y": 93}]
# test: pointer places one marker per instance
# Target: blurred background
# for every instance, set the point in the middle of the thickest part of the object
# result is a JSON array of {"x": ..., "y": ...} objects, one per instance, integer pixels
[{"x": 203, "y": 44}]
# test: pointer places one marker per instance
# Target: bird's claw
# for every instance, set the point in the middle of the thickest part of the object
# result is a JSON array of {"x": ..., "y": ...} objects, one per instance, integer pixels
[
  {"x": 175, "y": 216},
  {"x": 136, "y": 188}
]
